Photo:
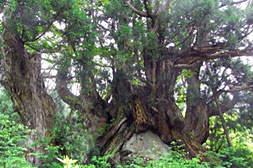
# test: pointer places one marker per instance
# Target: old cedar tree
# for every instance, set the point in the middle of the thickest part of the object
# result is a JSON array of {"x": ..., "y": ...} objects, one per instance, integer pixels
[{"x": 129, "y": 58}]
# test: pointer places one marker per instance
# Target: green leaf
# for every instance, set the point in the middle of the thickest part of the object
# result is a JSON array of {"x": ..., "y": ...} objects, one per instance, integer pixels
[{"x": 105, "y": 2}]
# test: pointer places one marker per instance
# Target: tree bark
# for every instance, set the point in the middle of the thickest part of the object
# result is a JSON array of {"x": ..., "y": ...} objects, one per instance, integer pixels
[
  {"x": 21, "y": 77},
  {"x": 223, "y": 122},
  {"x": 197, "y": 124},
  {"x": 154, "y": 108},
  {"x": 134, "y": 117}
]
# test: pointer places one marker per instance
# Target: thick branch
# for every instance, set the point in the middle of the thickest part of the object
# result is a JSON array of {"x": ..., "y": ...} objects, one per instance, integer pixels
[
  {"x": 232, "y": 3},
  {"x": 149, "y": 13},
  {"x": 46, "y": 29},
  {"x": 138, "y": 12},
  {"x": 203, "y": 54},
  {"x": 43, "y": 33},
  {"x": 225, "y": 106},
  {"x": 82, "y": 102},
  {"x": 232, "y": 90},
  {"x": 37, "y": 50},
  {"x": 146, "y": 7},
  {"x": 65, "y": 93}
]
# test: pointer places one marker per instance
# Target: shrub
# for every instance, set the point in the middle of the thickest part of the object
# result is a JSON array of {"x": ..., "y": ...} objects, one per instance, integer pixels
[
  {"x": 236, "y": 157},
  {"x": 173, "y": 159},
  {"x": 12, "y": 137}
]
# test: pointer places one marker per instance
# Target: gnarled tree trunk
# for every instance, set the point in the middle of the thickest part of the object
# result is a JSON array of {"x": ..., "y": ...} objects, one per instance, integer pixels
[
  {"x": 135, "y": 110},
  {"x": 145, "y": 111},
  {"x": 21, "y": 77}
]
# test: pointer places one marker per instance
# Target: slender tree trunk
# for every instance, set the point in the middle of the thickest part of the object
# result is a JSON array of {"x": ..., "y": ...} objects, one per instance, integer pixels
[
  {"x": 21, "y": 77},
  {"x": 223, "y": 122}
]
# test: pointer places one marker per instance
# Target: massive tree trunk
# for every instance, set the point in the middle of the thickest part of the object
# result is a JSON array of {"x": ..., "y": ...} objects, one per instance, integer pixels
[
  {"x": 154, "y": 109},
  {"x": 21, "y": 77},
  {"x": 137, "y": 109}
]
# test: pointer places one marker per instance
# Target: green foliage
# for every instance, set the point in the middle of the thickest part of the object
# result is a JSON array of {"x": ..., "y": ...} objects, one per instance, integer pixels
[
  {"x": 241, "y": 154},
  {"x": 181, "y": 88},
  {"x": 245, "y": 112},
  {"x": 99, "y": 162},
  {"x": 238, "y": 156},
  {"x": 186, "y": 74},
  {"x": 239, "y": 134},
  {"x": 6, "y": 106},
  {"x": 71, "y": 136},
  {"x": 51, "y": 152},
  {"x": 12, "y": 137},
  {"x": 96, "y": 162},
  {"x": 181, "y": 97},
  {"x": 68, "y": 138},
  {"x": 235, "y": 157}
]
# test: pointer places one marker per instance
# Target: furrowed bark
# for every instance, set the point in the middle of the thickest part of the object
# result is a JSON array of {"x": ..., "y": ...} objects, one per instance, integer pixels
[
  {"x": 23, "y": 81},
  {"x": 197, "y": 124}
]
